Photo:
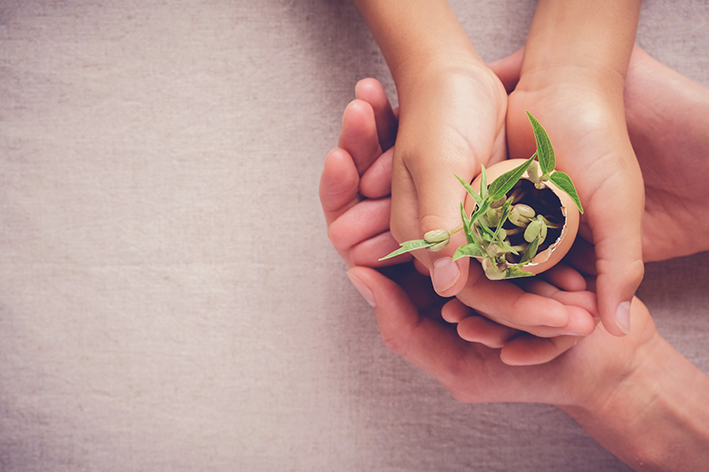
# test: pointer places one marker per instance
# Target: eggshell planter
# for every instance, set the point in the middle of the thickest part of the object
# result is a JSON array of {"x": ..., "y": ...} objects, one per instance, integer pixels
[{"x": 552, "y": 199}]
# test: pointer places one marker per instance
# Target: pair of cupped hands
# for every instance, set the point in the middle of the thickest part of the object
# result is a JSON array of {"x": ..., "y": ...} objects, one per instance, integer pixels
[{"x": 637, "y": 164}]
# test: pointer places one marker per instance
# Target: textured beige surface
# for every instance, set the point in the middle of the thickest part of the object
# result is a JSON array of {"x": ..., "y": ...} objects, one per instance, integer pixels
[{"x": 169, "y": 300}]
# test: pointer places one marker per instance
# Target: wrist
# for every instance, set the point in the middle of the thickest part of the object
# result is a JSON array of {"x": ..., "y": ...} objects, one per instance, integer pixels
[
  {"x": 592, "y": 41},
  {"x": 655, "y": 417}
]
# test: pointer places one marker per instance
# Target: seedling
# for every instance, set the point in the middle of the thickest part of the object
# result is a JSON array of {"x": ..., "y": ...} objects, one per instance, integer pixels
[{"x": 513, "y": 219}]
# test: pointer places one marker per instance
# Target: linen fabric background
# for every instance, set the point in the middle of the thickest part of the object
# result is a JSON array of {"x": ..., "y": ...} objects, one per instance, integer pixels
[{"x": 169, "y": 300}]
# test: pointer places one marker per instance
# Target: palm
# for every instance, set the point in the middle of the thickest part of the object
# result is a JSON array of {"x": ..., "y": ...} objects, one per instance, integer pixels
[
  {"x": 587, "y": 128},
  {"x": 672, "y": 149},
  {"x": 473, "y": 373}
]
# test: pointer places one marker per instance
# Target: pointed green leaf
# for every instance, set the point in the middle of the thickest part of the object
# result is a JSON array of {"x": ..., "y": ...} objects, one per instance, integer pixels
[
  {"x": 480, "y": 211},
  {"x": 483, "y": 181},
  {"x": 547, "y": 161},
  {"x": 506, "y": 181},
  {"x": 485, "y": 231},
  {"x": 563, "y": 181},
  {"x": 513, "y": 273},
  {"x": 478, "y": 199},
  {"x": 503, "y": 216},
  {"x": 531, "y": 251},
  {"x": 466, "y": 225},
  {"x": 503, "y": 245},
  {"x": 469, "y": 250},
  {"x": 408, "y": 246}
]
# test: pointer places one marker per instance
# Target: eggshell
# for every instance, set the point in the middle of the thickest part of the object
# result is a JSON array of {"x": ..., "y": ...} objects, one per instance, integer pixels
[{"x": 555, "y": 252}]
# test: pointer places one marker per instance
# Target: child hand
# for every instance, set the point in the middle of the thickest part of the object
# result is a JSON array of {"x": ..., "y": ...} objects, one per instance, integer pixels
[{"x": 358, "y": 229}]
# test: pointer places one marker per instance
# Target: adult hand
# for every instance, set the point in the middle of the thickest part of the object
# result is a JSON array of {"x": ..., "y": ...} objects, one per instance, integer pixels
[
  {"x": 635, "y": 394},
  {"x": 668, "y": 118}
]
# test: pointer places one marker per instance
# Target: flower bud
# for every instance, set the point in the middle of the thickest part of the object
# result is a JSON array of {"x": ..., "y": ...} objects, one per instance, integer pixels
[
  {"x": 492, "y": 271},
  {"x": 525, "y": 210},
  {"x": 438, "y": 246},
  {"x": 517, "y": 219},
  {"x": 437, "y": 236},
  {"x": 533, "y": 230},
  {"x": 493, "y": 217}
]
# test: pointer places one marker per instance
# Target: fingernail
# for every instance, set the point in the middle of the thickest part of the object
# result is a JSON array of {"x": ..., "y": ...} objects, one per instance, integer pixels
[
  {"x": 622, "y": 317},
  {"x": 363, "y": 290},
  {"x": 445, "y": 274}
]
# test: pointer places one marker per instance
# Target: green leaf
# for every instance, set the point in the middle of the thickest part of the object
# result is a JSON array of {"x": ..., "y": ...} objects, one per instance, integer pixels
[
  {"x": 503, "y": 245},
  {"x": 469, "y": 250},
  {"x": 480, "y": 211},
  {"x": 408, "y": 246},
  {"x": 513, "y": 273},
  {"x": 478, "y": 199},
  {"x": 483, "y": 181},
  {"x": 506, "y": 181},
  {"x": 545, "y": 151},
  {"x": 466, "y": 225},
  {"x": 503, "y": 217},
  {"x": 563, "y": 181},
  {"x": 531, "y": 251},
  {"x": 485, "y": 231}
]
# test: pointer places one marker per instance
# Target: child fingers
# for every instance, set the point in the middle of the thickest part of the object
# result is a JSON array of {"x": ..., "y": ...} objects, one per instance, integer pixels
[{"x": 526, "y": 350}]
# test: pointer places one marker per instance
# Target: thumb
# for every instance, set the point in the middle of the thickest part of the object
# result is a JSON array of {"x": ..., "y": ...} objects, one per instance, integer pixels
[
  {"x": 508, "y": 70},
  {"x": 437, "y": 195},
  {"x": 618, "y": 247},
  {"x": 418, "y": 339}
]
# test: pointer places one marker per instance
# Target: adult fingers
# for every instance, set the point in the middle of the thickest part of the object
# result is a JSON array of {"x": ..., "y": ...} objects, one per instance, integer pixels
[
  {"x": 372, "y": 92},
  {"x": 432, "y": 346},
  {"x": 360, "y": 222},
  {"x": 359, "y": 134},
  {"x": 339, "y": 184}
]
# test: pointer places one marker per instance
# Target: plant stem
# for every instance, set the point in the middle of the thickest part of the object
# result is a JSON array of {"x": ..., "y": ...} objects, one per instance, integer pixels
[{"x": 456, "y": 229}]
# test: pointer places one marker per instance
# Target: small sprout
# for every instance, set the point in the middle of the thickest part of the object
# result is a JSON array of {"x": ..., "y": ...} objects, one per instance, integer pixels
[
  {"x": 498, "y": 203},
  {"x": 439, "y": 239},
  {"x": 438, "y": 246},
  {"x": 533, "y": 173},
  {"x": 502, "y": 248},
  {"x": 531, "y": 251},
  {"x": 492, "y": 271},
  {"x": 548, "y": 223},
  {"x": 517, "y": 219},
  {"x": 533, "y": 230},
  {"x": 525, "y": 210},
  {"x": 437, "y": 236},
  {"x": 493, "y": 217}
]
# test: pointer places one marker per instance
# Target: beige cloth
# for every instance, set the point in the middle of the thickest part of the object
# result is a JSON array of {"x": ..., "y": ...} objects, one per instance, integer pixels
[{"x": 169, "y": 300}]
